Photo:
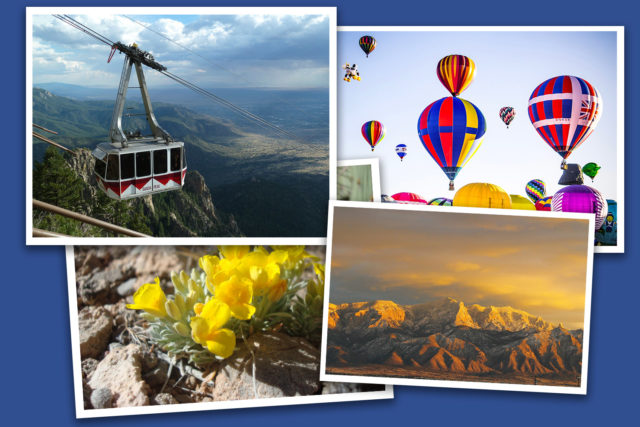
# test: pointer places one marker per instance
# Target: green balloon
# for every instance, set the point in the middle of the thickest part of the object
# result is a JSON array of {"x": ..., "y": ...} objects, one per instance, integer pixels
[{"x": 591, "y": 170}]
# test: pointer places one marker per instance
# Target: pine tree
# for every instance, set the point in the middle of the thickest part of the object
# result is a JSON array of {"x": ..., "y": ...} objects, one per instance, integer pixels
[{"x": 55, "y": 183}]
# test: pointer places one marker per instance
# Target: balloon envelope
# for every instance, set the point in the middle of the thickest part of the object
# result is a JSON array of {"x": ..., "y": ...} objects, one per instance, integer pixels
[
  {"x": 440, "y": 201},
  {"x": 565, "y": 110},
  {"x": 367, "y": 44},
  {"x": 591, "y": 170},
  {"x": 521, "y": 202},
  {"x": 408, "y": 198},
  {"x": 482, "y": 195},
  {"x": 544, "y": 204},
  {"x": 373, "y": 132},
  {"x": 507, "y": 115},
  {"x": 581, "y": 198},
  {"x": 451, "y": 130},
  {"x": 535, "y": 189},
  {"x": 456, "y": 73},
  {"x": 401, "y": 150}
]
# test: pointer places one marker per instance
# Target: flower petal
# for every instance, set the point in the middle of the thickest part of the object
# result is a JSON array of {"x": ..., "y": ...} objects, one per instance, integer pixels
[{"x": 222, "y": 343}]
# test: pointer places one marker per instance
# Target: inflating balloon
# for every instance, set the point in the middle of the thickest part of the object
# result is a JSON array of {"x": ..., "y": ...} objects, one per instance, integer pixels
[
  {"x": 565, "y": 110},
  {"x": 507, "y": 114},
  {"x": 408, "y": 198},
  {"x": 451, "y": 130},
  {"x": 544, "y": 204},
  {"x": 482, "y": 195},
  {"x": 440, "y": 201},
  {"x": 535, "y": 189},
  {"x": 522, "y": 203},
  {"x": 591, "y": 170},
  {"x": 373, "y": 132},
  {"x": 456, "y": 73},
  {"x": 401, "y": 150},
  {"x": 367, "y": 44},
  {"x": 580, "y": 198}
]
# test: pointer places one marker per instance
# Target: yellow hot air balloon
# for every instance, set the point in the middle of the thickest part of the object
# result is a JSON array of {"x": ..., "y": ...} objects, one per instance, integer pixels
[
  {"x": 521, "y": 202},
  {"x": 482, "y": 195}
]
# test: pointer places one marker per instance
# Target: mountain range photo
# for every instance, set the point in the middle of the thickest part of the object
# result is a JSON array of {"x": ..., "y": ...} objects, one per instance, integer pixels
[{"x": 446, "y": 339}]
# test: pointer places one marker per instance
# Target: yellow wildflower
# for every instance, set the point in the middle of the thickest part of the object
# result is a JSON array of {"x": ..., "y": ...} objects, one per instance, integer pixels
[
  {"x": 237, "y": 293},
  {"x": 295, "y": 254},
  {"x": 319, "y": 269},
  {"x": 207, "y": 328},
  {"x": 233, "y": 252},
  {"x": 276, "y": 291},
  {"x": 151, "y": 298}
]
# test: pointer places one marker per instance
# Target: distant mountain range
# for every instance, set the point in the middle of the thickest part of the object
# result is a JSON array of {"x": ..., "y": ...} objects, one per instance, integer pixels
[
  {"x": 446, "y": 336},
  {"x": 273, "y": 187}
]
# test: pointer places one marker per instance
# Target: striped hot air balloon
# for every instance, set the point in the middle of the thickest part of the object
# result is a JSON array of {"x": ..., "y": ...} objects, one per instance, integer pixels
[
  {"x": 535, "y": 189},
  {"x": 367, "y": 44},
  {"x": 451, "y": 130},
  {"x": 580, "y": 198},
  {"x": 456, "y": 73},
  {"x": 544, "y": 204},
  {"x": 440, "y": 201},
  {"x": 401, "y": 150},
  {"x": 373, "y": 132},
  {"x": 565, "y": 110}
]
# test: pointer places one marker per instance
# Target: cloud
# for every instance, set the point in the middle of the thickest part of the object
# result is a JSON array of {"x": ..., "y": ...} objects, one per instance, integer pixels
[{"x": 464, "y": 266}]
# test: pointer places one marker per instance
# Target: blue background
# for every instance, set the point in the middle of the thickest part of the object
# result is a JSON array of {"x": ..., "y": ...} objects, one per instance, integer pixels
[{"x": 35, "y": 342}]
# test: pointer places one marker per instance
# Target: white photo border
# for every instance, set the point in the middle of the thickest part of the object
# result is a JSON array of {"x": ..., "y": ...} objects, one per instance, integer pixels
[{"x": 582, "y": 389}]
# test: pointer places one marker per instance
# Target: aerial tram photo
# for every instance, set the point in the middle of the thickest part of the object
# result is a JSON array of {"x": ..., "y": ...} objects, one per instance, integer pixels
[{"x": 141, "y": 157}]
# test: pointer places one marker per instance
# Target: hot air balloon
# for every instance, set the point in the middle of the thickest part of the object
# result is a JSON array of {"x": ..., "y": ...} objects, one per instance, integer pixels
[
  {"x": 544, "y": 204},
  {"x": 456, "y": 73},
  {"x": 409, "y": 198},
  {"x": 373, "y": 132},
  {"x": 451, "y": 130},
  {"x": 608, "y": 234},
  {"x": 522, "y": 203},
  {"x": 535, "y": 189},
  {"x": 401, "y": 150},
  {"x": 440, "y": 201},
  {"x": 565, "y": 110},
  {"x": 580, "y": 198},
  {"x": 367, "y": 44},
  {"x": 482, "y": 195},
  {"x": 507, "y": 114},
  {"x": 591, "y": 170}
]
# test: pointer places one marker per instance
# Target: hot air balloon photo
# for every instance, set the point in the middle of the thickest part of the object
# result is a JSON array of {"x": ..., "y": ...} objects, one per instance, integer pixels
[
  {"x": 451, "y": 130},
  {"x": 401, "y": 150},
  {"x": 373, "y": 132},
  {"x": 580, "y": 198},
  {"x": 440, "y": 201},
  {"x": 535, "y": 189},
  {"x": 591, "y": 170},
  {"x": 456, "y": 72},
  {"x": 565, "y": 110},
  {"x": 482, "y": 195},
  {"x": 473, "y": 131},
  {"x": 507, "y": 114},
  {"x": 367, "y": 44}
]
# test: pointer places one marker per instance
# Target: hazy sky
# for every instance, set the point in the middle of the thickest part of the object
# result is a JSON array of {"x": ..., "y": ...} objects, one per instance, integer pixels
[
  {"x": 534, "y": 264},
  {"x": 399, "y": 80},
  {"x": 289, "y": 51}
]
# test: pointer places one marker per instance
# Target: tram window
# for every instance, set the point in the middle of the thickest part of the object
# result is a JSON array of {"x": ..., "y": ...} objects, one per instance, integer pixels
[
  {"x": 176, "y": 159},
  {"x": 101, "y": 168},
  {"x": 143, "y": 164},
  {"x": 127, "y": 170},
  {"x": 159, "y": 162},
  {"x": 113, "y": 167}
]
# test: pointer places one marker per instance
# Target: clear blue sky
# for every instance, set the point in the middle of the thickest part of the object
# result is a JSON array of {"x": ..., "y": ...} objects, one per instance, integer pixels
[
  {"x": 285, "y": 51},
  {"x": 399, "y": 80}
]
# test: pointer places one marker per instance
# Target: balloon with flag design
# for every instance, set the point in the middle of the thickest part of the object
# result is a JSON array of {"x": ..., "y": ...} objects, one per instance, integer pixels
[
  {"x": 401, "y": 150},
  {"x": 565, "y": 110},
  {"x": 367, "y": 44},
  {"x": 451, "y": 130},
  {"x": 535, "y": 189},
  {"x": 456, "y": 73},
  {"x": 373, "y": 132}
]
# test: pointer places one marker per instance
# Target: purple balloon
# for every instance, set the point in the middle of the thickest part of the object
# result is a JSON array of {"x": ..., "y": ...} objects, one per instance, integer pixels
[{"x": 580, "y": 198}]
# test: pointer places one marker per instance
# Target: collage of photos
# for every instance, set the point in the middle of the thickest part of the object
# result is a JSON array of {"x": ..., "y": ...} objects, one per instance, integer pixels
[{"x": 260, "y": 208}]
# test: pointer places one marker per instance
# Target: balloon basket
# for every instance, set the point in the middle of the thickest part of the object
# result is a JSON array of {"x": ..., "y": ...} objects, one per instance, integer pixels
[{"x": 451, "y": 186}]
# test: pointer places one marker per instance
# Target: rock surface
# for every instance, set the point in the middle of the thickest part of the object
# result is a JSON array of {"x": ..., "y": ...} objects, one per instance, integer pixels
[{"x": 95, "y": 324}]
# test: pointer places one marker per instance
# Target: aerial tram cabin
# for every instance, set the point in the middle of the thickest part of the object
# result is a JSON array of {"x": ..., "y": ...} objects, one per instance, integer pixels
[{"x": 133, "y": 165}]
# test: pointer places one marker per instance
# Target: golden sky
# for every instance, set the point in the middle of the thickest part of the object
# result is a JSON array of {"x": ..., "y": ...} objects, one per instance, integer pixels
[{"x": 535, "y": 264}]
